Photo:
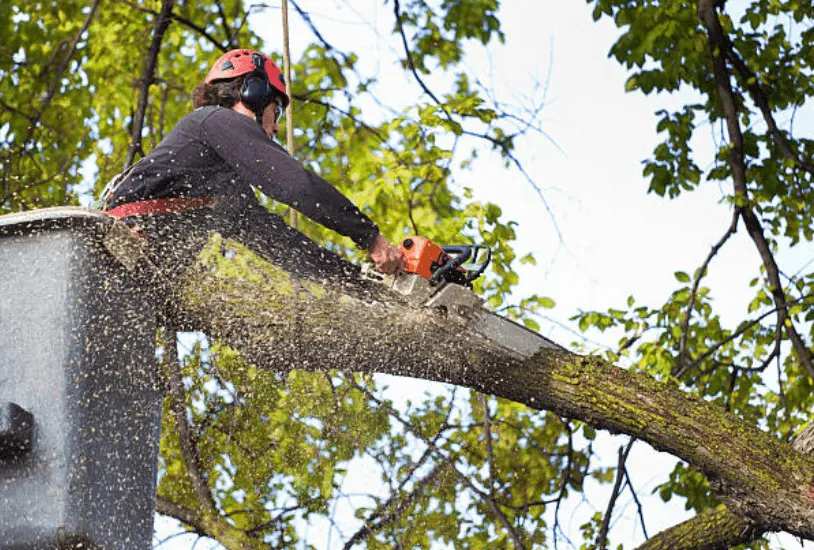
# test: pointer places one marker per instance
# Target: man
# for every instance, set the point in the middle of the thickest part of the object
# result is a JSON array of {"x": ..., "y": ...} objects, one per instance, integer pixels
[{"x": 200, "y": 178}]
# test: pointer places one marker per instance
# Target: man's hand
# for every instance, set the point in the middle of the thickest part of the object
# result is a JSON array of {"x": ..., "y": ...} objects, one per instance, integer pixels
[{"x": 388, "y": 258}]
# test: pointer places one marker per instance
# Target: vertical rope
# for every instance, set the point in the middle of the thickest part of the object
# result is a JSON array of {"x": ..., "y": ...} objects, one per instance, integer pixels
[{"x": 289, "y": 111}]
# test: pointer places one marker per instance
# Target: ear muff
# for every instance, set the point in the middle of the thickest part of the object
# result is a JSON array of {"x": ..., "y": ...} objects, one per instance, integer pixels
[{"x": 256, "y": 92}]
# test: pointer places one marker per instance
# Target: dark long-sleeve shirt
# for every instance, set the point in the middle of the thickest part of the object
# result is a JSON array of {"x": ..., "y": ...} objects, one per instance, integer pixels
[{"x": 218, "y": 152}]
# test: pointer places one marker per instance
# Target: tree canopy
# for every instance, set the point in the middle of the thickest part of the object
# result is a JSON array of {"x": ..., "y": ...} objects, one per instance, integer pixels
[{"x": 248, "y": 456}]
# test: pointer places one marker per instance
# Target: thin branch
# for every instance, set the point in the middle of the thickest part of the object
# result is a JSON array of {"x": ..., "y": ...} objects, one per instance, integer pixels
[
  {"x": 395, "y": 505},
  {"x": 409, "y": 55},
  {"x": 741, "y": 331},
  {"x": 166, "y": 507},
  {"x": 162, "y": 22},
  {"x": 680, "y": 368},
  {"x": 487, "y": 432},
  {"x": 331, "y": 107},
  {"x": 639, "y": 507},
  {"x": 760, "y": 98},
  {"x": 624, "y": 451},
  {"x": 509, "y": 155},
  {"x": 491, "y": 503},
  {"x": 188, "y": 449},
  {"x": 184, "y": 21},
  {"x": 308, "y": 21},
  {"x": 224, "y": 24},
  {"x": 566, "y": 479}
]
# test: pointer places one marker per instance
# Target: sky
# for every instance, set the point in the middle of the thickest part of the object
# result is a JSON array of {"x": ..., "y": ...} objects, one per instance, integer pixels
[{"x": 614, "y": 239}]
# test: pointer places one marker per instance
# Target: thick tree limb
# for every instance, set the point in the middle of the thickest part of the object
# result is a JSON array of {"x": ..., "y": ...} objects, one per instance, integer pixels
[
  {"x": 717, "y": 529},
  {"x": 174, "y": 510},
  {"x": 281, "y": 321}
]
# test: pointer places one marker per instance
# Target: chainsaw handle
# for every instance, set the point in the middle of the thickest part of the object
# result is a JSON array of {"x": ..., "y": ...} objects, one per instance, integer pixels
[
  {"x": 473, "y": 250},
  {"x": 463, "y": 254}
]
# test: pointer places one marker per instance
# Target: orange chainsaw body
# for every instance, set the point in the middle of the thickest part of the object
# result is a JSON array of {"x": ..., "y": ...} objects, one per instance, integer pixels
[
  {"x": 444, "y": 264},
  {"x": 422, "y": 256}
]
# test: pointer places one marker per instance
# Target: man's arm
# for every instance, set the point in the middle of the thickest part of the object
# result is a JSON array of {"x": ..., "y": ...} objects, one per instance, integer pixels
[{"x": 243, "y": 145}]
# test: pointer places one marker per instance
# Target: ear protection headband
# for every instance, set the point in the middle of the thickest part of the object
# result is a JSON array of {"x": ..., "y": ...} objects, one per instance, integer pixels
[{"x": 257, "y": 92}]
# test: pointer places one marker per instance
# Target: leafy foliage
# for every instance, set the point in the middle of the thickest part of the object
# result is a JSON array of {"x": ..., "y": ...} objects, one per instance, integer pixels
[
  {"x": 273, "y": 452},
  {"x": 746, "y": 367}
]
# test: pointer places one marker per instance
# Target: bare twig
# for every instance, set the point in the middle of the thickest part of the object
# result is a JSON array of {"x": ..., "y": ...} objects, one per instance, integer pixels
[
  {"x": 394, "y": 505},
  {"x": 639, "y": 508},
  {"x": 308, "y": 21},
  {"x": 409, "y": 55},
  {"x": 745, "y": 327},
  {"x": 680, "y": 368},
  {"x": 501, "y": 144},
  {"x": 465, "y": 479},
  {"x": 224, "y": 23},
  {"x": 602, "y": 537}
]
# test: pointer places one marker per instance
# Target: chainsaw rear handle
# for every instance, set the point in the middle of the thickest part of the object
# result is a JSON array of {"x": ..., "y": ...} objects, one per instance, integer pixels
[
  {"x": 463, "y": 254},
  {"x": 472, "y": 250}
]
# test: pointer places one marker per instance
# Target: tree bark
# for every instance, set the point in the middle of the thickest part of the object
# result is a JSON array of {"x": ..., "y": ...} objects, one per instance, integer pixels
[{"x": 280, "y": 321}]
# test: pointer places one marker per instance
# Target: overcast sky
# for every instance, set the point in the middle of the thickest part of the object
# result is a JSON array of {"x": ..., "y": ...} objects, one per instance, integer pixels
[{"x": 616, "y": 240}]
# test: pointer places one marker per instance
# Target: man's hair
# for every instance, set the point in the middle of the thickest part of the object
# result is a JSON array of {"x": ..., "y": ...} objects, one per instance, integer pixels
[{"x": 223, "y": 93}]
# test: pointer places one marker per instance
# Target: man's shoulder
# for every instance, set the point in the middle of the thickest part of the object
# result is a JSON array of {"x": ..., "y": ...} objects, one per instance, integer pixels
[
  {"x": 215, "y": 112},
  {"x": 201, "y": 114}
]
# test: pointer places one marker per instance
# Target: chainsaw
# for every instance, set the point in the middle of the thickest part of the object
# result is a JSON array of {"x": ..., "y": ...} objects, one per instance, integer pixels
[
  {"x": 459, "y": 264},
  {"x": 439, "y": 279}
]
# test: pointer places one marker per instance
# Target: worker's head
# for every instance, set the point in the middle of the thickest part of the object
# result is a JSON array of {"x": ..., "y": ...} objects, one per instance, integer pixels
[{"x": 248, "y": 82}]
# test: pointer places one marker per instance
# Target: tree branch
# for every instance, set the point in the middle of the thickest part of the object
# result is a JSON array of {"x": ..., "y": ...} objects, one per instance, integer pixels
[
  {"x": 409, "y": 55},
  {"x": 639, "y": 508},
  {"x": 244, "y": 301},
  {"x": 717, "y": 529},
  {"x": 167, "y": 507},
  {"x": 308, "y": 21},
  {"x": 162, "y": 22},
  {"x": 394, "y": 505},
  {"x": 487, "y": 433},
  {"x": 680, "y": 367},
  {"x": 750, "y": 80},
  {"x": 184, "y": 21},
  {"x": 188, "y": 448},
  {"x": 624, "y": 451},
  {"x": 718, "y": 45}
]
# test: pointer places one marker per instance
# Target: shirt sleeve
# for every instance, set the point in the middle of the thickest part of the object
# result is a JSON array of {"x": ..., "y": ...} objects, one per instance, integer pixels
[{"x": 257, "y": 159}]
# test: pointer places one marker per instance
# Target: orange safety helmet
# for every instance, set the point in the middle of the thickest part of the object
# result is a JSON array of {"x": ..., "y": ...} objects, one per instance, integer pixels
[{"x": 264, "y": 83}]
